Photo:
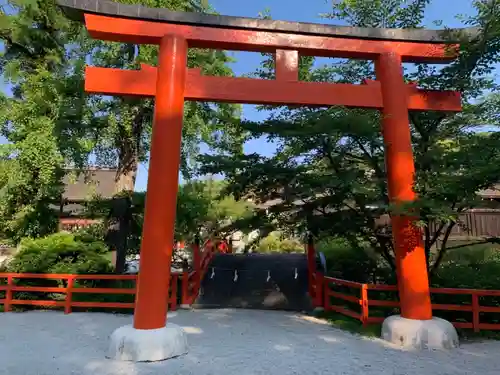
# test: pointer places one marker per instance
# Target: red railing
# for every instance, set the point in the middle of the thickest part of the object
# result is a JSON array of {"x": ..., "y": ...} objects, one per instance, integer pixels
[
  {"x": 361, "y": 298},
  {"x": 191, "y": 281},
  {"x": 72, "y": 287},
  {"x": 68, "y": 286},
  {"x": 359, "y": 303}
]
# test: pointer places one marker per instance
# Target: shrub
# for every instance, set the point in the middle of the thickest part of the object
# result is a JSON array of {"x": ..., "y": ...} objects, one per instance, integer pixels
[
  {"x": 347, "y": 262},
  {"x": 274, "y": 244},
  {"x": 60, "y": 253},
  {"x": 64, "y": 253},
  {"x": 91, "y": 233},
  {"x": 475, "y": 275}
]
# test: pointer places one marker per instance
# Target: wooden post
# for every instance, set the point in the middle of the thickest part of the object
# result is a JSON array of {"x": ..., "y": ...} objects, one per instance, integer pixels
[
  {"x": 185, "y": 288},
  {"x": 413, "y": 283},
  {"x": 69, "y": 295},
  {"x": 172, "y": 300},
  {"x": 287, "y": 65},
  {"x": 161, "y": 198},
  {"x": 311, "y": 264},
  {"x": 8, "y": 295},
  {"x": 364, "y": 304},
  {"x": 475, "y": 312},
  {"x": 196, "y": 254},
  {"x": 320, "y": 285},
  {"x": 326, "y": 296}
]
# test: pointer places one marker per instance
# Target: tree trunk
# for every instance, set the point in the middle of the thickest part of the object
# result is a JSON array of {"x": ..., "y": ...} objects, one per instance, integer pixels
[
  {"x": 128, "y": 144},
  {"x": 118, "y": 230},
  {"x": 126, "y": 173}
]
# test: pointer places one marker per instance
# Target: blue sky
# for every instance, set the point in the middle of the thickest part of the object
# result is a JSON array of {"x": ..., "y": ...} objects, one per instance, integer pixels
[{"x": 297, "y": 10}]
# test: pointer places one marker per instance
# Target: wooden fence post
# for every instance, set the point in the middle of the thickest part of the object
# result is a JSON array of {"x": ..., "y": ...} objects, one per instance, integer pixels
[
  {"x": 185, "y": 288},
  {"x": 364, "y": 304},
  {"x": 320, "y": 298},
  {"x": 196, "y": 254},
  {"x": 69, "y": 294},
  {"x": 311, "y": 264},
  {"x": 8, "y": 295},
  {"x": 475, "y": 312},
  {"x": 326, "y": 295},
  {"x": 173, "y": 293}
]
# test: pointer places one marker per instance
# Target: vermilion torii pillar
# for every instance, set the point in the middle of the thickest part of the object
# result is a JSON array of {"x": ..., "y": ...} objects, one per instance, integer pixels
[{"x": 171, "y": 83}]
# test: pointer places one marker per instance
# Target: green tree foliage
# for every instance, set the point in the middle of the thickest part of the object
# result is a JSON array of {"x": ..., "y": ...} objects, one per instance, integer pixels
[
  {"x": 347, "y": 262},
  {"x": 201, "y": 209},
  {"x": 124, "y": 128},
  {"x": 50, "y": 123},
  {"x": 328, "y": 172},
  {"x": 276, "y": 243},
  {"x": 42, "y": 119}
]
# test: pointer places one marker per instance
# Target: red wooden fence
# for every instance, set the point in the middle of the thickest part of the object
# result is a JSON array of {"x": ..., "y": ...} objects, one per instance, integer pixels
[
  {"x": 364, "y": 302},
  {"x": 190, "y": 284},
  {"x": 71, "y": 288}
]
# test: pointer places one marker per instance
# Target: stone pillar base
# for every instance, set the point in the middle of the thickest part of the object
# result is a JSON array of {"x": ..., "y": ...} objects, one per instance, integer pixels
[
  {"x": 137, "y": 345},
  {"x": 436, "y": 333}
]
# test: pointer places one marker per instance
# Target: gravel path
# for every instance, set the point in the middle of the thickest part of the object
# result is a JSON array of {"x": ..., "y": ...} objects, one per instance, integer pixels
[{"x": 224, "y": 342}]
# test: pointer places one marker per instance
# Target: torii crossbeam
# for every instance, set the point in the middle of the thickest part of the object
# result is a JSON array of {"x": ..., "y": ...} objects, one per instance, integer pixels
[{"x": 171, "y": 83}]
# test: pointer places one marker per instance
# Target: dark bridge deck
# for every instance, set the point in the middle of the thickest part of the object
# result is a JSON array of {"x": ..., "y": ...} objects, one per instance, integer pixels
[{"x": 264, "y": 281}]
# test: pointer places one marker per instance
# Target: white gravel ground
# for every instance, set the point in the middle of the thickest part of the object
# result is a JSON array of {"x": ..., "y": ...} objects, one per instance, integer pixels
[{"x": 224, "y": 342}]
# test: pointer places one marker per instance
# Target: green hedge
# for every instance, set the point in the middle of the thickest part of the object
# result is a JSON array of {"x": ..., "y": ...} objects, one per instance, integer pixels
[
  {"x": 60, "y": 253},
  {"x": 65, "y": 253}
]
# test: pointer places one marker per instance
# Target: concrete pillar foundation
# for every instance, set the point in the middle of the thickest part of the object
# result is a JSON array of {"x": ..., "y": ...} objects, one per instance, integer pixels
[
  {"x": 147, "y": 345},
  {"x": 435, "y": 333}
]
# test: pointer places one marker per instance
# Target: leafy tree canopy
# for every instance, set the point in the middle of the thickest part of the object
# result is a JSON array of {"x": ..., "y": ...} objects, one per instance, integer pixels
[
  {"x": 328, "y": 170},
  {"x": 50, "y": 123}
]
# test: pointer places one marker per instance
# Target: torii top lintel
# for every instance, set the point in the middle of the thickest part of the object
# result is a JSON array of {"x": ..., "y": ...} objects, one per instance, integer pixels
[{"x": 137, "y": 24}]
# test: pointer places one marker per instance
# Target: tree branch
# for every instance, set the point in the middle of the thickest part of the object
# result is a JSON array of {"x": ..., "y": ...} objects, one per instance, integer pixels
[
  {"x": 443, "y": 250},
  {"x": 427, "y": 245}
]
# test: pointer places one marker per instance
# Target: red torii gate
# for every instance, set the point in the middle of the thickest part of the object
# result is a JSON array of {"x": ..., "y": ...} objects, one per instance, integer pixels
[{"x": 171, "y": 83}]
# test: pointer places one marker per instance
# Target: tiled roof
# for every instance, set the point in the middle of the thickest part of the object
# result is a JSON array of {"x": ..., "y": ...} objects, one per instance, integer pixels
[{"x": 89, "y": 183}]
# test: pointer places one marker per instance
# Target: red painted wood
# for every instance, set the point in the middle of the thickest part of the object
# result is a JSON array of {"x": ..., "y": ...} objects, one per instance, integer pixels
[
  {"x": 104, "y": 290},
  {"x": 382, "y": 303},
  {"x": 119, "y": 305},
  {"x": 70, "y": 290},
  {"x": 475, "y": 312},
  {"x": 411, "y": 265},
  {"x": 69, "y": 295},
  {"x": 475, "y": 307},
  {"x": 148, "y": 32},
  {"x": 365, "y": 312},
  {"x": 287, "y": 65},
  {"x": 351, "y": 284},
  {"x": 162, "y": 186},
  {"x": 344, "y": 297},
  {"x": 8, "y": 294},
  {"x": 487, "y": 326},
  {"x": 109, "y": 81}
]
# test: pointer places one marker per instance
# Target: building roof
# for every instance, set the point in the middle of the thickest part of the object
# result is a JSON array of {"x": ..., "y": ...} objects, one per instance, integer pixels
[
  {"x": 75, "y": 9},
  {"x": 492, "y": 193},
  {"x": 89, "y": 183}
]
